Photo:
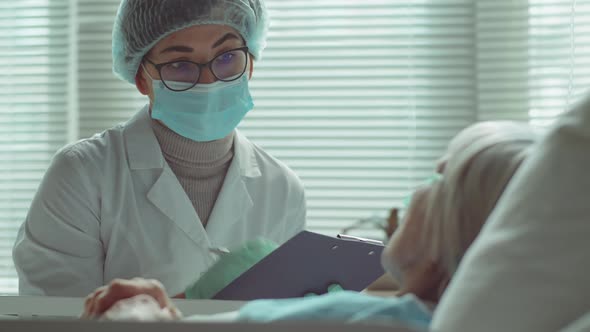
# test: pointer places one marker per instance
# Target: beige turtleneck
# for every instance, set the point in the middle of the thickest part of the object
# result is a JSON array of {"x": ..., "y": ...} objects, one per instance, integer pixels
[{"x": 200, "y": 167}]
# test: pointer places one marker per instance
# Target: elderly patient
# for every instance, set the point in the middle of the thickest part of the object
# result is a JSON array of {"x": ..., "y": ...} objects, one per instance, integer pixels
[{"x": 442, "y": 220}]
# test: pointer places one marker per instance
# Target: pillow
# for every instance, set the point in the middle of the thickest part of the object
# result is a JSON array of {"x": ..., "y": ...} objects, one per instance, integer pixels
[
  {"x": 581, "y": 325},
  {"x": 529, "y": 270}
]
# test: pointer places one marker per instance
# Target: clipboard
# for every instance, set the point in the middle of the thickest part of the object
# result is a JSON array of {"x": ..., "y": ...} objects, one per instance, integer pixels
[{"x": 309, "y": 263}]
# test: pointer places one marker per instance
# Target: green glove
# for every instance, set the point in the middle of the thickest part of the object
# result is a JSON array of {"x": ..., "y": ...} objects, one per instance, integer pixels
[
  {"x": 228, "y": 268},
  {"x": 333, "y": 288}
]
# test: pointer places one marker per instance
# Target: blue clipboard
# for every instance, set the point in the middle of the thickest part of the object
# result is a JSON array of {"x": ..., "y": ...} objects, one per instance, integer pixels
[{"x": 309, "y": 263}]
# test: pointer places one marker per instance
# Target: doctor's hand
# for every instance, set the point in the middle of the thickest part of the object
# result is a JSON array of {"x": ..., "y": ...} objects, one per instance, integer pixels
[{"x": 137, "y": 299}]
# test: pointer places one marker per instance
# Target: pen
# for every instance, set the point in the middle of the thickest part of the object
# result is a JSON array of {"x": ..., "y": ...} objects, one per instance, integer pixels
[
  {"x": 359, "y": 239},
  {"x": 219, "y": 251}
]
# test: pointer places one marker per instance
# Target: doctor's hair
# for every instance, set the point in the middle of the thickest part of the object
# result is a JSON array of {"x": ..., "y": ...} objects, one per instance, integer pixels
[{"x": 478, "y": 165}]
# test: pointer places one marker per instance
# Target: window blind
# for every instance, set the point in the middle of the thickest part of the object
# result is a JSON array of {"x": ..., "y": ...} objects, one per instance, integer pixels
[
  {"x": 559, "y": 57},
  {"x": 532, "y": 58},
  {"x": 33, "y": 106},
  {"x": 360, "y": 98},
  {"x": 104, "y": 100}
]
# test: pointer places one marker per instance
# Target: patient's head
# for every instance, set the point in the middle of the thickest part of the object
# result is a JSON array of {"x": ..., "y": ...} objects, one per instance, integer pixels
[{"x": 445, "y": 216}]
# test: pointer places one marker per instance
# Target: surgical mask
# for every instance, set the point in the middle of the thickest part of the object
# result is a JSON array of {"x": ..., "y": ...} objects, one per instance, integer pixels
[{"x": 206, "y": 112}]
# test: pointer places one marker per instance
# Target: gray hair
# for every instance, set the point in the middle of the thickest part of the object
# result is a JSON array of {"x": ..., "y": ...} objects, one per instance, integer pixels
[{"x": 478, "y": 165}]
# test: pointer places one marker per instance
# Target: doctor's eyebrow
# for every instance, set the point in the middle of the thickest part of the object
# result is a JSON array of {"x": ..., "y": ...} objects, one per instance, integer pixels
[
  {"x": 186, "y": 49},
  {"x": 178, "y": 48},
  {"x": 228, "y": 36}
]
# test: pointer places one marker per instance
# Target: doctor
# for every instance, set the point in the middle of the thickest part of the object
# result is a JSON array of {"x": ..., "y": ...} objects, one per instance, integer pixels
[{"x": 150, "y": 197}]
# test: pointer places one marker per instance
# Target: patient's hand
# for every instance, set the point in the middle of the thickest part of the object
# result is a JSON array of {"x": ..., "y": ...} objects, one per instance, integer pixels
[
  {"x": 137, "y": 299},
  {"x": 140, "y": 308}
]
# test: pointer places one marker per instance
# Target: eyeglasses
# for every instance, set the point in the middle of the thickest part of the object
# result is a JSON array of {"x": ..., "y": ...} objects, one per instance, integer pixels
[{"x": 184, "y": 75}]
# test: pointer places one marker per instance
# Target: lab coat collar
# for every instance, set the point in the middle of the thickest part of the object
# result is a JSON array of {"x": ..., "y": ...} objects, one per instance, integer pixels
[
  {"x": 245, "y": 157},
  {"x": 143, "y": 149},
  {"x": 234, "y": 201},
  {"x": 144, "y": 152},
  {"x": 169, "y": 197}
]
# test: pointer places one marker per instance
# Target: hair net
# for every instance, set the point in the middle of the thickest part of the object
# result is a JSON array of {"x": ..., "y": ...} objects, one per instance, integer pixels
[{"x": 141, "y": 24}]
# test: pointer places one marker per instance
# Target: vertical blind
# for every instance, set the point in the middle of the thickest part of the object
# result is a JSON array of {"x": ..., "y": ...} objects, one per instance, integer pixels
[{"x": 358, "y": 97}]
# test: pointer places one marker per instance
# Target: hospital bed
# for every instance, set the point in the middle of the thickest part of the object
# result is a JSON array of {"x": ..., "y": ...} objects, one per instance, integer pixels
[
  {"x": 48, "y": 314},
  {"x": 77, "y": 326},
  {"x": 26, "y": 307}
]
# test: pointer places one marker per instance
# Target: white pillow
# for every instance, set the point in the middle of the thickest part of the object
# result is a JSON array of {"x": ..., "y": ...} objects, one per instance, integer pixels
[{"x": 529, "y": 270}]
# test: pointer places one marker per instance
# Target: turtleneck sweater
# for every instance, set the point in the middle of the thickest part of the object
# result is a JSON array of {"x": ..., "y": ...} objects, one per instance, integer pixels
[{"x": 200, "y": 167}]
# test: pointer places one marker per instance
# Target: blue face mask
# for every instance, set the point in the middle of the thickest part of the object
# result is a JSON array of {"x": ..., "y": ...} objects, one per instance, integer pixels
[{"x": 207, "y": 112}]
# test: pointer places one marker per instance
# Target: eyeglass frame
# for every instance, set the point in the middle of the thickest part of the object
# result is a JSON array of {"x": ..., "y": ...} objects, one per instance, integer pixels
[{"x": 201, "y": 66}]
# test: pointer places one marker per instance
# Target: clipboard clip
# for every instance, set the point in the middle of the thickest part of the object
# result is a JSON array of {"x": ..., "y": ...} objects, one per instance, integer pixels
[{"x": 359, "y": 239}]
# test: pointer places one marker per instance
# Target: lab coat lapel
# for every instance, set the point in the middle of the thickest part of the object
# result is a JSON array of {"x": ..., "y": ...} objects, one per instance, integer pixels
[
  {"x": 169, "y": 197},
  {"x": 234, "y": 201},
  {"x": 166, "y": 194}
]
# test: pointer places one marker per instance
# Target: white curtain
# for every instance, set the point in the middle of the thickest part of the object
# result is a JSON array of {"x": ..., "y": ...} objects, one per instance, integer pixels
[{"x": 359, "y": 97}]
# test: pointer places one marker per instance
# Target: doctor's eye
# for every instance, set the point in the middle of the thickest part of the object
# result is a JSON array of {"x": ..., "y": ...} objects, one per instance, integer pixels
[
  {"x": 226, "y": 58},
  {"x": 180, "y": 67},
  {"x": 181, "y": 71}
]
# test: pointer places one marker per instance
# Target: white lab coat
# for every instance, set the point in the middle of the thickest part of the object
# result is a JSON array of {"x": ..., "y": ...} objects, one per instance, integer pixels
[{"x": 110, "y": 207}]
